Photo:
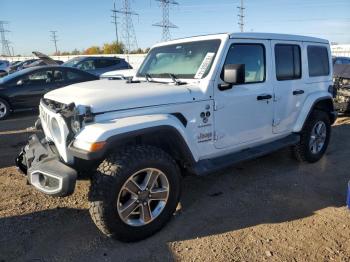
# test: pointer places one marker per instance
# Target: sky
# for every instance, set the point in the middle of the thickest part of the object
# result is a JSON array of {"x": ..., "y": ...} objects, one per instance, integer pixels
[{"x": 83, "y": 23}]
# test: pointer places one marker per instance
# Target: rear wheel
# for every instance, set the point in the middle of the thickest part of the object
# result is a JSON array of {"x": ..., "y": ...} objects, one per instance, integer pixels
[
  {"x": 314, "y": 138},
  {"x": 134, "y": 193},
  {"x": 4, "y": 109}
]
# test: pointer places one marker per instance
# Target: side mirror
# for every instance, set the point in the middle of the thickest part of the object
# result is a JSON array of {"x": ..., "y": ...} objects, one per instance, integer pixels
[{"x": 232, "y": 74}]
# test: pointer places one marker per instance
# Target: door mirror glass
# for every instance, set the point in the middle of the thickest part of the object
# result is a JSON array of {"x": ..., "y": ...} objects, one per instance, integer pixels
[{"x": 234, "y": 74}]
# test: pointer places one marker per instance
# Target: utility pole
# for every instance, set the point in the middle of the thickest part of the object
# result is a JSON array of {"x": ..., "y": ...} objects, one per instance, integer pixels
[
  {"x": 165, "y": 23},
  {"x": 54, "y": 40},
  {"x": 241, "y": 16},
  {"x": 128, "y": 32},
  {"x": 115, "y": 22},
  {"x": 4, "y": 42}
]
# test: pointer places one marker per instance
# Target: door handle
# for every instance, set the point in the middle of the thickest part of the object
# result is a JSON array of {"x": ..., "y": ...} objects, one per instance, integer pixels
[
  {"x": 264, "y": 97},
  {"x": 298, "y": 92}
]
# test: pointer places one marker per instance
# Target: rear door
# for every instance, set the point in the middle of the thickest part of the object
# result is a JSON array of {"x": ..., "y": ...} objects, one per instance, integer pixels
[{"x": 288, "y": 83}]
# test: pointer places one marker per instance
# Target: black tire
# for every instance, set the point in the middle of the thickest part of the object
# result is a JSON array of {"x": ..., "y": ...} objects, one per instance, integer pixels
[
  {"x": 7, "y": 109},
  {"x": 108, "y": 180},
  {"x": 302, "y": 150}
]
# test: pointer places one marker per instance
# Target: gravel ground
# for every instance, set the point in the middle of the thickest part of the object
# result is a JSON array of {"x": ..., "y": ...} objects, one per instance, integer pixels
[{"x": 271, "y": 208}]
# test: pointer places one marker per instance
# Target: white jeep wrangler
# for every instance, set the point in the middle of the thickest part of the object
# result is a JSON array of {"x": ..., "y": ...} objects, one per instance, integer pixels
[{"x": 195, "y": 106}]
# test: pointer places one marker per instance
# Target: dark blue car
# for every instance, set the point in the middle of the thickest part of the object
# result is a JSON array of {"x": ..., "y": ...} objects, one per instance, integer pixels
[{"x": 98, "y": 65}]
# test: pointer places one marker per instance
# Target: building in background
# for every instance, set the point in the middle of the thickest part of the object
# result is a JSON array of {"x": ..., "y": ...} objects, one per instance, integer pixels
[{"x": 340, "y": 50}]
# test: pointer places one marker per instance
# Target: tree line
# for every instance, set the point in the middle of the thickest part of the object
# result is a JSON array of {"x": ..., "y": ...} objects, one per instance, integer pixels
[{"x": 107, "y": 48}]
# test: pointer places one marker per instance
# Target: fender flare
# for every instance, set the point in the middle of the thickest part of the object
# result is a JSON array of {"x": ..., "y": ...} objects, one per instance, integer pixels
[
  {"x": 169, "y": 124},
  {"x": 308, "y": 107}
]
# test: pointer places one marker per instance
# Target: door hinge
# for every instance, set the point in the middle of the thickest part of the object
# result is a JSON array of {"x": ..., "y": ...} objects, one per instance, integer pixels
[
  {"x": 215, "y": 106},
  {"x": 276, "y": 122}
]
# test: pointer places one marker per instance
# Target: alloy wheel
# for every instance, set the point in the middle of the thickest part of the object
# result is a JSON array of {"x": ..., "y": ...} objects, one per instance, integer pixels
[{"x": 143, "y": 197}]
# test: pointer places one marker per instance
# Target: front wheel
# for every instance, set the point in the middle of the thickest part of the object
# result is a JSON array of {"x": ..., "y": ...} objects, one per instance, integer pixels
[
  {"x": 134, "y": 193},
  {"x": 314, "y": 138},
  {"x": 4, "y": 109}
]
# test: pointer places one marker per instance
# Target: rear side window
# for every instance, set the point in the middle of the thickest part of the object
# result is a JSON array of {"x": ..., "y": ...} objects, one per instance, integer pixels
[
  {"x": 288, "y": 62},
  {"x": 102, "y": 63},
  {"x": 317, "y": 57},
  {"x": 252, "y": 56}
]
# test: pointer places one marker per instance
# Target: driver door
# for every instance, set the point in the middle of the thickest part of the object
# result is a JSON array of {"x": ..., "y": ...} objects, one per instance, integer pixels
[
  {"x": 244, "y": 112},
  {"x": 30, "y": 88}
]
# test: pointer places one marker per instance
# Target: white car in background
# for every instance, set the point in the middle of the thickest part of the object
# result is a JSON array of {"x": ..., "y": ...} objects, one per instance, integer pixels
[{"x": 119, "y": 74}]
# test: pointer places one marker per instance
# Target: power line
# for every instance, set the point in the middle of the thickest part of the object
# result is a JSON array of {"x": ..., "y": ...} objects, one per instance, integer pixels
[
  {"x": 54, "y": 40},
  {"x": 241, "y": 16},
  {"x": 4, "y": 42},
  {"x": 115, "y": 21},
  {"x": 165, "y": 23},
  {"x": 128, "y": 32}
]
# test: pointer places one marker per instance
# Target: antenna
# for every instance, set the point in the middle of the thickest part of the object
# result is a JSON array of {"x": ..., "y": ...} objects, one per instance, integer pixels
[
  {"x": 241, "y": 16},
  {"x": 165, "y": 23},
  {"x": 4, "y": 42},
  {"x": 54, "y": 40},
  {"x": 128, "y": 32},
  {"x": 115, "y": 21}
]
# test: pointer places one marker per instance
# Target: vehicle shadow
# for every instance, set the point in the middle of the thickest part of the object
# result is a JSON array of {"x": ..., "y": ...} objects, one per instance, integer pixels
[
  {"x": 271, "y": 189},
  {"x": 14, "y": 134}
]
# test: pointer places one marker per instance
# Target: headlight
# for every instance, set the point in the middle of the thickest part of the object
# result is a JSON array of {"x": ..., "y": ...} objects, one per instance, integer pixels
[{"x": 56, "y": 131}]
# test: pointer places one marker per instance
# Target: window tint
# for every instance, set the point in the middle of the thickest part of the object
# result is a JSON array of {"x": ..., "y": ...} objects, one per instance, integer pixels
[
  {"x": 40, "y": 77},
  {"x": 252, "y": 56},
  {"x": 58, "y": 76},
  {"x": 74, "y": 76},
  {"x": 317, "y": 57},
  {"x": 288, "y": 62},
  {"x": 102, "y": 63},
  {"x": 86, "y": 65}
]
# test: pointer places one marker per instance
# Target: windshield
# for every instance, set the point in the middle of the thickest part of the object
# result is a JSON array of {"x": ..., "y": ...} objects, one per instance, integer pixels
[
  {"x": 184, "y": 60},
  {"x": 72, "y": 62}
]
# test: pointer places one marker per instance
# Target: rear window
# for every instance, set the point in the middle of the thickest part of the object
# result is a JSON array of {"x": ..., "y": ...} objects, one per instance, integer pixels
[
  {"x": 318, "y": 61},
  {"x": 288, "y": 62}
]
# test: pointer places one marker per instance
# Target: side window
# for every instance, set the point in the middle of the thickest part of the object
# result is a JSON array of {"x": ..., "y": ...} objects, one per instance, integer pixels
[
  {"x": 252, "y": 56},
  {"x": 73, "y": 76},
  {"x": 288, "y": 62},
  {"x": 102, "y": 63},
  {"x": 58, "y": 76},
  {"x": 86, "y": 65},
  {"x": 40, "y": 77},
  {"x": 318, "y": 61}
]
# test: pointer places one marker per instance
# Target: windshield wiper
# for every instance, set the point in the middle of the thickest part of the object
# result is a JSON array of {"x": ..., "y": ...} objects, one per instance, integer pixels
[
  {"x": 176, "y": 80},
  {"x": 148, "y": 77}
]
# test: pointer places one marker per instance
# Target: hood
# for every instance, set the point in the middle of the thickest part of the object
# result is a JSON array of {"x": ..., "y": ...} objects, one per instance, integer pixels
[
  {"x": 106, "y": 95},
  {"x": 120, "y": 73}
]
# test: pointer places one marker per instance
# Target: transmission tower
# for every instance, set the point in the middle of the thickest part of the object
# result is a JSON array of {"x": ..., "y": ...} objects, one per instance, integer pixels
[
  {"x": 165, "y": 23},
  {"x": 4, "y": 41},
  {"x": 115, "y": 21},
  {"x": 54, "y": 40},
  {"x": 241, "y": 16},
  {"x": 128, "y": 32}
]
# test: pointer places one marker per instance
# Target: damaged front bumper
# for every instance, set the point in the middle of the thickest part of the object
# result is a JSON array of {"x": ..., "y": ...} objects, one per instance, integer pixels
[{"x": 44, "y": 169}]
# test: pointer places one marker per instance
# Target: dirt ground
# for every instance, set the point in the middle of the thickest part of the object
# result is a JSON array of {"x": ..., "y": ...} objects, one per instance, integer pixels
[{"x": 271, "y": 208}]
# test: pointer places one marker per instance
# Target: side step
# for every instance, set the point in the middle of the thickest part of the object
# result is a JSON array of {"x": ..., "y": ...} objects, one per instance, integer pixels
[{"x": 206, "y": 166}]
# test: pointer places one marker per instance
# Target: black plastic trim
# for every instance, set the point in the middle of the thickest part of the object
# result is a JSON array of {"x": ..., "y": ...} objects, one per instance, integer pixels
[
  {"x": 207, "y": 166},
  {"x": 113, "y": 141}
]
